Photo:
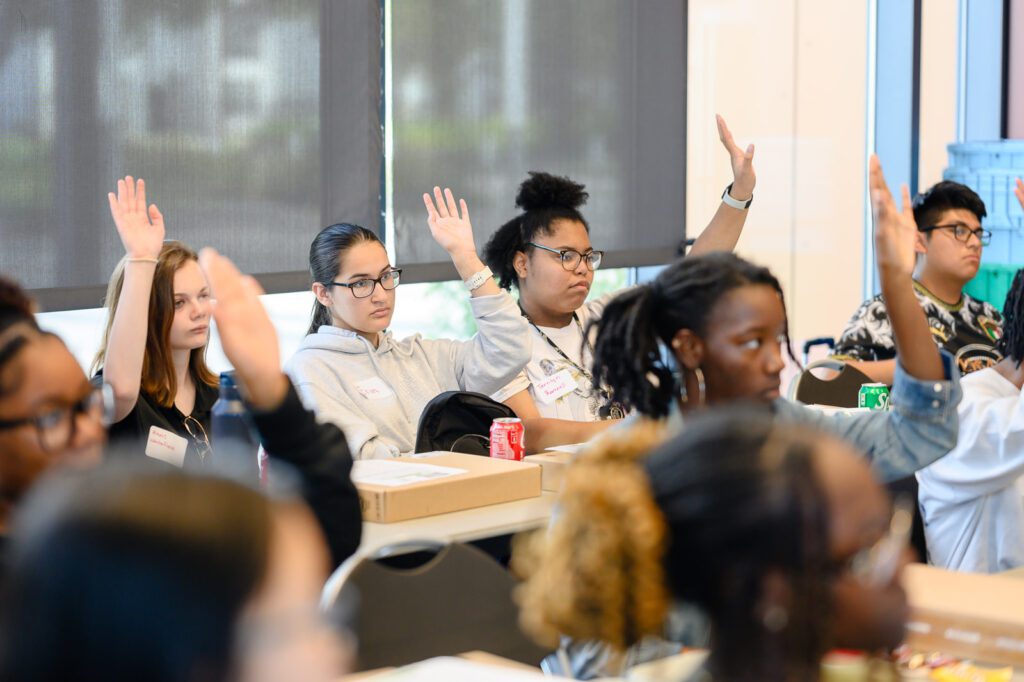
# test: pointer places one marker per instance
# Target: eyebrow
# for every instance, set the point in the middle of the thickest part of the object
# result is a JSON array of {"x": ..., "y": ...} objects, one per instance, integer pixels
[{"x": 365, "y": 275}]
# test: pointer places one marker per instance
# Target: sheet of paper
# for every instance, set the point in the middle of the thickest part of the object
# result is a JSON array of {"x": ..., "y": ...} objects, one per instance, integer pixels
[
  {"x": 458, "y": 670},
  {"x": 392, "y": 474}
]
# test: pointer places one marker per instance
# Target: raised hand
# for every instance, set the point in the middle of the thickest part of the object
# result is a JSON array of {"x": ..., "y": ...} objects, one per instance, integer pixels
[
  {"x": 246, "y": 332},
  {"x": 1019, "y": 191},
  {"x": 449, "y": 225},
  {"x": 141, "y": 229},
  {"x": 742, "y": 162},
  {"x": 895, "y": 229}
]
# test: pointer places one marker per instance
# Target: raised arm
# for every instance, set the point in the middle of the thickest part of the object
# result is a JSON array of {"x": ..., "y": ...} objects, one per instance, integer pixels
[
  {"x": 288, "y": 431},
  {"x": 142, "y": 234},
  {"x": 453, "y": 231},
  {"x": 725, "y": 227},
  {"x": 895, "y": 236}
]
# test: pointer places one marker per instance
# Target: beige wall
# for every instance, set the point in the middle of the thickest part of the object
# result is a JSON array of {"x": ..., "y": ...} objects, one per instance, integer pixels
[
  {"x": 938, "y": 87},
  {"x": 789, "y": 76}
]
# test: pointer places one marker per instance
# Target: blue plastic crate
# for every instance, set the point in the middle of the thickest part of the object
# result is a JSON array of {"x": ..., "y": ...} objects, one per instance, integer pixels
[
  {"x": 991, "y": 169},
  {"x": 1006, "y": 154}
]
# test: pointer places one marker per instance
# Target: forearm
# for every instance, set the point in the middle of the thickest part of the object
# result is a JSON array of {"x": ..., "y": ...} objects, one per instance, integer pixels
[
  {"x": 722, "y": 233},
  {"x": 467, "y": 264},
  {"x": 915, "y": 348},
  {"x": 126, "y": 347},
  {"x": 543, "y": 434}
]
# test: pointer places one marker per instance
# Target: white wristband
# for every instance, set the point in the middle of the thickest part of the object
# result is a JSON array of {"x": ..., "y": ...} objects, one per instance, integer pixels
[
  {"x": 478, "y": 280},
  {"x": 735, "y": 203}
]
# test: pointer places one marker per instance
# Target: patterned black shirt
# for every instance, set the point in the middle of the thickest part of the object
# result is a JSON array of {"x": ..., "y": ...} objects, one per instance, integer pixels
[{"x": 968, "y": 330}]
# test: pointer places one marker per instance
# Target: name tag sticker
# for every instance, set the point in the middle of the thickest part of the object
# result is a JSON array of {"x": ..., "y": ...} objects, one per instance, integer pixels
[
  {"x": 374, "y": 388},
  {"x": 554, "y": 387},
  {"x": 166, "y": 446}
]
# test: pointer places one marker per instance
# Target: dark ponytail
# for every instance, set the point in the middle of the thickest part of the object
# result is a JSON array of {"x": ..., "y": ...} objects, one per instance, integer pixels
[
  {"x": 634, "y": 333},
  {"x": 1011, "y": 343},
  {"x": 544, "y": 198},
  {"x": 325, "y": 261}
]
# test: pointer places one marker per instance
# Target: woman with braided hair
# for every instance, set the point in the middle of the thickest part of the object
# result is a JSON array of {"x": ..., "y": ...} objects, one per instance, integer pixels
[
  {"x": 763, "y": 526},
  {"x": 710, "y": 330}
]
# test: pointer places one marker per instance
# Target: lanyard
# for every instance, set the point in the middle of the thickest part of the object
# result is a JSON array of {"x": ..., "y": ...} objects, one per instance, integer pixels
[{"x": 609, "y": 408}]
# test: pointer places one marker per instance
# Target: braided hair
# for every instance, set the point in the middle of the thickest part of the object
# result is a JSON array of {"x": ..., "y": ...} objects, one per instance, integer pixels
[
  {"x": 701, "y": 519},
  {"x": 544, "y": 199},
  {"x": 1011, "y": 343},
  {"x": 637, "y": 326}
]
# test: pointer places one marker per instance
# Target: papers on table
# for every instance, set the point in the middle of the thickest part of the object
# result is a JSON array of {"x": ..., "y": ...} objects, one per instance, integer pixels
[{"x": 390, "y": 474}]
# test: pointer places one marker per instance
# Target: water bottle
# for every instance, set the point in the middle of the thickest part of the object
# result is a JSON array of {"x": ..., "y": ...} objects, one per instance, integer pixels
[{"x": 234, "y": 438}]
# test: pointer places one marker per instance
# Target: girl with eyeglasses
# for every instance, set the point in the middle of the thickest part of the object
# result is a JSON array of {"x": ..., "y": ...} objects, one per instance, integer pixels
[
  {"x": 354, "y": 373},
  {"x": 52, "y": 417},
  {"x": 546, "y": 254},
  {"x": 153, "y": 353}
]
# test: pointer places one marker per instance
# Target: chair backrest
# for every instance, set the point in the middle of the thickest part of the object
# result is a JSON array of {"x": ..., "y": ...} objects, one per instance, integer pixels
[
  {"x": 459, "y": 421},
  {"x": 459, "y": 600},
  {"x": 839, "y": 391}
]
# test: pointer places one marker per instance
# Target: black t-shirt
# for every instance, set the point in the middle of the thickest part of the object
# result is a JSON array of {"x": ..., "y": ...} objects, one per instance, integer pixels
[{"x": 131, "y": 433}]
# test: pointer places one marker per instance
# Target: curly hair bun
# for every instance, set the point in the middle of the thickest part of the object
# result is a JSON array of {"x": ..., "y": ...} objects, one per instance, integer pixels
[{"x": 544, "y": 190}]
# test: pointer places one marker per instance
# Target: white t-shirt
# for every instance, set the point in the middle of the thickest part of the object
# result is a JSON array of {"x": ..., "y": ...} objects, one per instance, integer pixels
[
  {"x": 558, "y": 387},
  {"x": 972, "y": 500}
]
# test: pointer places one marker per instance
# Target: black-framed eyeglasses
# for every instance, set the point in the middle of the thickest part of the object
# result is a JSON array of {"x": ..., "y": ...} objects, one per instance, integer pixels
[
  {"x": 364, "y": 287},
  {"x": 56, "y": 428},
  {"x": 962, "y": 232},
  {"x": 571, "y": 258},
  {"x": 198, "y": 433}
]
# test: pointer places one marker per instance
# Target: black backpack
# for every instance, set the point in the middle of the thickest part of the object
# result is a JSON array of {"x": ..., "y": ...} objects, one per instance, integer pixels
[{"x": 459, "y": 421}]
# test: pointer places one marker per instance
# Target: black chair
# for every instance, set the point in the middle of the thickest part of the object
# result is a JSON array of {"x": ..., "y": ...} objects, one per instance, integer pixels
[
  {"x": 839, "y": 391},
  {"x": 457, "y": 600},
  {"x": 459, "y": 421}
]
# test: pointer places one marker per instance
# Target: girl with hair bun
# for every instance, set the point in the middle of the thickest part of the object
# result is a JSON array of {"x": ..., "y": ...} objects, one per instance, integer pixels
[
  {"x": 546, "y": 254},
  {"x": 762, "y": 526}
]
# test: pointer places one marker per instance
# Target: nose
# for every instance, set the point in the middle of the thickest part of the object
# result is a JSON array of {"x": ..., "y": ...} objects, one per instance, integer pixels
[
  {"x": 380, "y": 294},
  {"x": 88, "y": 440},
  {"x": 774, "y": 362},
  {"x": 581, "y": 267}
]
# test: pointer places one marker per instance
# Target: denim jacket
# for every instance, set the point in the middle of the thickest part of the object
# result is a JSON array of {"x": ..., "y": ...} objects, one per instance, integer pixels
[{"x": 921, "y": 427}]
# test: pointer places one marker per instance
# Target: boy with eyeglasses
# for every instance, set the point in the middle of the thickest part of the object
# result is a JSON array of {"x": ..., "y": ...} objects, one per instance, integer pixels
[{"x": 949, "y": 246}]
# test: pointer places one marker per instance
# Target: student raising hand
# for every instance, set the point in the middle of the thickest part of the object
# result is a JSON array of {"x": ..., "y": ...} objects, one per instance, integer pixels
[
  {"x": 451, "y": 229},
  {"x": 141, "y": 229},
  {"x": 895, "y": 237}
]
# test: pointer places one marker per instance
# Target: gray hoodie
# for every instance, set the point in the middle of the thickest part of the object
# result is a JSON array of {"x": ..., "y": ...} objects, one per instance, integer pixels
[{"x": 376, "y": 395}]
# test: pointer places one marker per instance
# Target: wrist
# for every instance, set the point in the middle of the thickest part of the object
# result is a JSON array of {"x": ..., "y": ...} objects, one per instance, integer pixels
[
  {"x": 741, "y": 190},
  {"x": 729, "y": 199},
  {"x": 269, "y": 393},
  {"x": 468, "y": 263}
]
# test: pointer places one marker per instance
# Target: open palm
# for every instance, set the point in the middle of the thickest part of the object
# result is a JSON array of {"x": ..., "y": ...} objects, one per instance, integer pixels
[
  {"x": 141, "y": 229},
  {"x": 741, "y": 160},
  {"x": 895, "y": 229},
  {"x": 449, "y": 223}
]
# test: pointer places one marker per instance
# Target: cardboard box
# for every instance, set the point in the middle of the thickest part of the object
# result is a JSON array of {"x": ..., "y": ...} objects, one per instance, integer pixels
[
  {"x": 552, "y": 466},
  {"x": 967, "y": 615},
  {"x": 386, "y": 495}
]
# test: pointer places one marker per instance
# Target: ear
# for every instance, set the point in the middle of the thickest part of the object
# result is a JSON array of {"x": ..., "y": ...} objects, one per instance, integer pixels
[
  {"x": 322, "y": 294},
  {"x": 688, "y": 348},
  {"x": 921, "y": 243},
  {"x": 519, "y": 264}
]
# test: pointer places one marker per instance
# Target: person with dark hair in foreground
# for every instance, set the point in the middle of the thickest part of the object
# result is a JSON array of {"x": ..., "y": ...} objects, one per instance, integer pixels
[
  {"x": 777, "y": 532},
  {"x": 50, "y": 414},
  {"x": 949, "y": 244},
  {"x": 146, "y": 573}
]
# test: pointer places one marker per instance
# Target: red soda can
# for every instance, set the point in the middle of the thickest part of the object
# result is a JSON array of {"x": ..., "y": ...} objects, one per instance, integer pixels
[{"x": 507, "y": 436}]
